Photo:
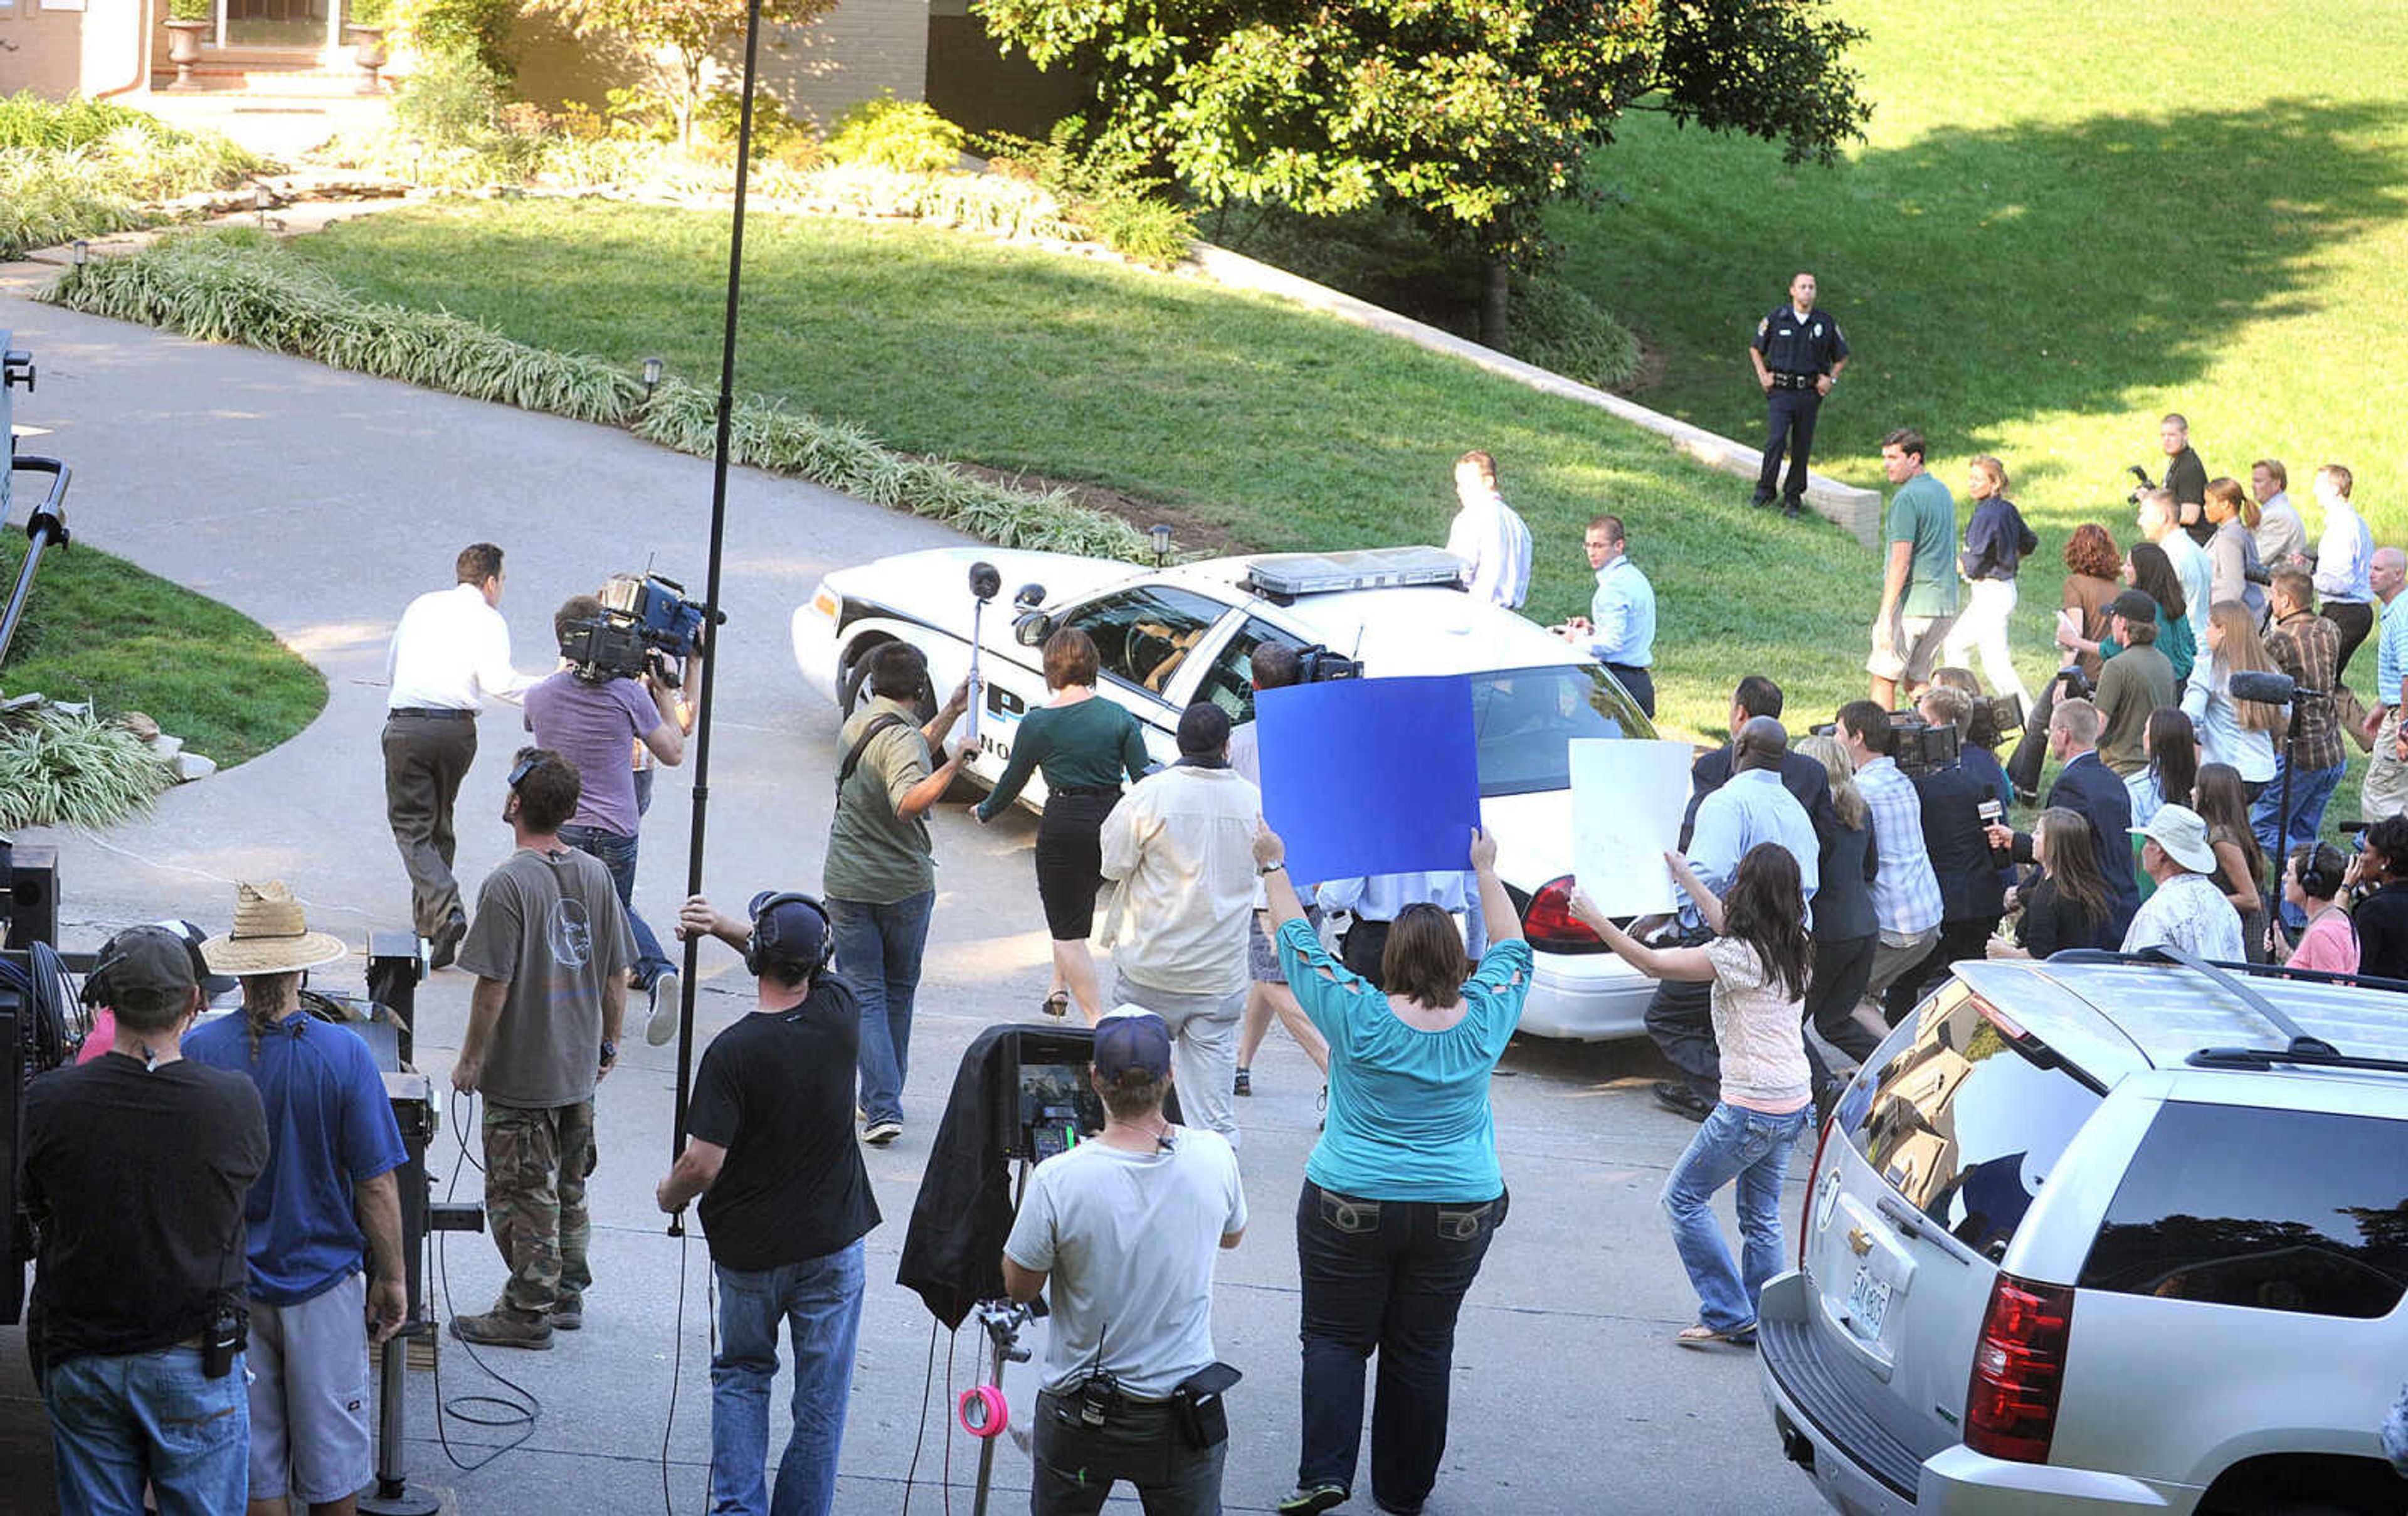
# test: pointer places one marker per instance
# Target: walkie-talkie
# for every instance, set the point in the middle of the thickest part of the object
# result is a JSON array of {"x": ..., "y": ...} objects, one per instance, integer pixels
[{"x": 226, "y": 1336}]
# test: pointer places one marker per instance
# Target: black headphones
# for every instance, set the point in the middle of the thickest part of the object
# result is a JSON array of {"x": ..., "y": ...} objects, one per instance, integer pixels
[
  {"x": 763, "y": 948},
  {"x": 96, "y": 992},
  {"x": 2320, "y": 867}
]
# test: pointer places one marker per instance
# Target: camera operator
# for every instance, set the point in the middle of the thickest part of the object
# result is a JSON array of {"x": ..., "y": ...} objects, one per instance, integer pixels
[
  {"x": 2134, "y": 684},
  {"x": 134, "y": 1170},
  {"x": 1971, "y": 898},
  {"x": 2186, "y": 478},
  {"x": 785, "y": 1202},
  {"x": 590, "y": 716},
  {"x": 1120, "y": 1233},
  {"x": 2306, "y": 646},
  {"x": 1906, "y": 892}
]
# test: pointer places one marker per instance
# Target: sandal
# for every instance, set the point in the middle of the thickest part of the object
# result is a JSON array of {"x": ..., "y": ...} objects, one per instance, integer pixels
[
  {"x": 1056, "y": 1004},
  {"x": 1700, "y": 1336}
]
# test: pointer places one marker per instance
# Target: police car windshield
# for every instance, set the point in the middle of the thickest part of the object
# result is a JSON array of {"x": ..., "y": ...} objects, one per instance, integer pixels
[{"x": 1524, "y": 718}]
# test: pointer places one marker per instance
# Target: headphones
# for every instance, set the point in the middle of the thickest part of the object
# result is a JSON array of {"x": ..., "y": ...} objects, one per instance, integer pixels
[
  {"x": 765, "y": 946},
  {"x": 96, "y": 992},
  {"x": 523, "y": 767},
  {"x": 2320, "y": 867}
]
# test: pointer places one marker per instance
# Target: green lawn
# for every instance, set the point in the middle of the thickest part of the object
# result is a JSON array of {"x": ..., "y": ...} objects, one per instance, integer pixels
[
  {"x": 1273, "y": 426},
  {"x": 101, "y": 629}
]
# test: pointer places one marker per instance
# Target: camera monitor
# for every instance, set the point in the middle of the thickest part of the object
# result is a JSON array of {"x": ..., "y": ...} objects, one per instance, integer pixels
[{"x": 1057, "y": 1107}]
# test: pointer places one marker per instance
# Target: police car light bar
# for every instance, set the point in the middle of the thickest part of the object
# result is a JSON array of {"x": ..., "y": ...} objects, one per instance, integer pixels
[{"x": 1287, "y": 575}]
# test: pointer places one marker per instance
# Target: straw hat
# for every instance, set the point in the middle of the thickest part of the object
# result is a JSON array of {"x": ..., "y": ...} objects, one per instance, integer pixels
[{"x": 270, "y": 935}]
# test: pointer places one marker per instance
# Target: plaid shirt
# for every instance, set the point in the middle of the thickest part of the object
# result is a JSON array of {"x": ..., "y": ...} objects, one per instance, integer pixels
[
  {"x": 1906, "y": 893},
  {"x": 2307, "y": 647}
]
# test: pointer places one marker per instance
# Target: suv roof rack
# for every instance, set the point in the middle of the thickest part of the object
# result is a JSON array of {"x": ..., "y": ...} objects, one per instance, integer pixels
[{"x": 2304, "y": 1047}]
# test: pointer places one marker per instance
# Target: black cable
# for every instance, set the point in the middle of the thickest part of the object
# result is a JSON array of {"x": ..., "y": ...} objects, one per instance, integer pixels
[
  {"x": 509, "y": 1412},
  {"x": 952, "y": 1349},
  {"x": 676, "y": 1368},
  {"x": 920, "y": 1436}
]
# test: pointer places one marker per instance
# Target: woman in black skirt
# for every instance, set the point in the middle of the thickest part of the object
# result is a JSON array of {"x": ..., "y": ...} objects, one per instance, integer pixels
[{"x": 1082, "y": 744}]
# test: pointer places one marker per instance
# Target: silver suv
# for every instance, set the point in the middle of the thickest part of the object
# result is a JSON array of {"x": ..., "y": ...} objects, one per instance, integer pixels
[{"x": 2106, "y": 1233}]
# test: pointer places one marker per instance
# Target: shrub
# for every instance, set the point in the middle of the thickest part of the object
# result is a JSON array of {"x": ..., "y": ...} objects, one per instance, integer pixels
[
  {"x": 716, "y": 120},
  {"x": 62, "y": 770},
  {"x": 48, "y": 199},
  {"x": 370, "y": 12},
  {"x": 479, "y": 28},
  {"x": 1110, "y": 196},
  {"x": 1561, "y": 329},
  {"x": 905, "y": 136},
  {"x": 29, "y": 120},
  {"x": 450, "y": 100},
  {"x": 190, "y": 11}
]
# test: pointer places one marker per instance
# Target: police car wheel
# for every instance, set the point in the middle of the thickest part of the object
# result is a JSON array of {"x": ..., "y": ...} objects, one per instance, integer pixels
[{"x": 851, "y": 698}]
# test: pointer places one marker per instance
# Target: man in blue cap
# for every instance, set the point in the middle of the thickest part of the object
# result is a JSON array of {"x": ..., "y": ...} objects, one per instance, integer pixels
[
  {"x": 1125, "y": 1227},
  {"x": 785, "y": 1202}
]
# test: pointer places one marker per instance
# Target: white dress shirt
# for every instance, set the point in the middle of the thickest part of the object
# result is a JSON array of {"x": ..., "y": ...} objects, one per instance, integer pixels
[
  {"x": 450, "y": 651},
  {"x": 1181, "y": 844},
  {"x": 1490, "y": 537}
]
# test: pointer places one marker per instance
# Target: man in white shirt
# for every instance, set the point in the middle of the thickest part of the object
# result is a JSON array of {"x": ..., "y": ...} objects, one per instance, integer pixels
[
  {"x": 1123, "y": 1228},
  {"x": 450, "y": 651},
  {"x": 1180, "y": 846},
  {"x": 1488, "y": 536},
  {"x": 2158, "y": 522},
  {"x": 2282, "y": 536},
  {"x": 2189, "y": 913}
]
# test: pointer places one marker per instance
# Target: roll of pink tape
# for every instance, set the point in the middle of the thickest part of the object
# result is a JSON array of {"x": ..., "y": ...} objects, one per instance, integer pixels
[{"x": 983, "y": 1410}]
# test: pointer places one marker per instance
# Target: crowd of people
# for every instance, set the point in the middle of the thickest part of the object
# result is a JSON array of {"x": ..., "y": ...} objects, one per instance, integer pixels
[{"x": 1827, "y": 885}]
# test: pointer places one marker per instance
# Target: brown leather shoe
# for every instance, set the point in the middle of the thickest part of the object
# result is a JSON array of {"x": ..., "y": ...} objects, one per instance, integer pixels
[{"x": 498, "y": 1328}]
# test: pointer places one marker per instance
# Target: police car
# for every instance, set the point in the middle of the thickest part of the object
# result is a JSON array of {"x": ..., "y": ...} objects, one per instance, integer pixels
[{"x": 1168, "y": 637}]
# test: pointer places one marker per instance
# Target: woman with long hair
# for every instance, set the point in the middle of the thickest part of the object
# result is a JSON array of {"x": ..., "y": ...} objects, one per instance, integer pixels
[
  {"x": 2232, "y": 552},
  {"x": 2220, "y": 800},
  {"x": 2068, "y": 905},
  {"x": 1997, "y": 541},
  {"x": 2172, "y": 745},
  {"x": 1083, "y": 743},
  {"x": 2311, "y": 877},
  {"x": 1403, "y": 1191},
  {"x": 2147, "y": 569},
  {"x": 2238, "y": 732},
  {"x": 1758, "y": 963},
  {"x": 1847, "y": 930},
  {"x": 2092, "y": 563}
]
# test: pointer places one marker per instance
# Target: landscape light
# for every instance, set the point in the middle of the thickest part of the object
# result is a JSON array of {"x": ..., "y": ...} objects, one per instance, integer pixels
[
  {"x": 1161, "y": 536},
  {"x": 259, "y": 202},
  {"x": 651, "y": 378},
  {"x": 82, "y": 250}
]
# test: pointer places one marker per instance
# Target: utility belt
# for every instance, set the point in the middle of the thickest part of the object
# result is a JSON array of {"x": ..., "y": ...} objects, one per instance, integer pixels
[
  {"x": 1794, "y": 381},
  {"x": 1196, "y": 1409}
]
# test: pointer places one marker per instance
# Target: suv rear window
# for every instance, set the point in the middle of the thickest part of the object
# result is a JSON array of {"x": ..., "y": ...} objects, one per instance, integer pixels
[
  {"x": 1965, "y": 1123},
  {"x": 2243, "y": 1205}
]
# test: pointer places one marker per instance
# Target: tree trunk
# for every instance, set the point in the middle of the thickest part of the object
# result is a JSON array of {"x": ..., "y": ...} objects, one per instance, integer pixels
[
  {"x": 1496, "y": 296},
  {"x": 691, "y": 104}
]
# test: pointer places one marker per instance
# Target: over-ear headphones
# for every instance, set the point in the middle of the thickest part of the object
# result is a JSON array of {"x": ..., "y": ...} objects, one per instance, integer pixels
[
  {"x": 767, "y": 947},
  {"x": 2320, "y": 867}
]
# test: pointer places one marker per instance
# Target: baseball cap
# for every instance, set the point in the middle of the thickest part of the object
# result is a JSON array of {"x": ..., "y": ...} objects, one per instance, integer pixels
[
  {"x": 152, "y": 966},
  {"x": 2133, "y": 605},
  {"x": 1132, "y": 1038},
  {"x": 213, "y": 985}
]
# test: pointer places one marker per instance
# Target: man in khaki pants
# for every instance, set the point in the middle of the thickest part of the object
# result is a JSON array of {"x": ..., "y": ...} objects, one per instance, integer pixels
[{"x": 2387, "y": 771}]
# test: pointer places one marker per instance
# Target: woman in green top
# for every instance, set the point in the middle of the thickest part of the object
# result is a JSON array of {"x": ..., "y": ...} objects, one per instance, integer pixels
[
  {"x": 2147, "y": 569},
  {"x": 1082, "y": 744}
]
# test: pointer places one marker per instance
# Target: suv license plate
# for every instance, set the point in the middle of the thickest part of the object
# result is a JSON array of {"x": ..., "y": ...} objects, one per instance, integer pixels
[{"x": 1868, "y": 1303}]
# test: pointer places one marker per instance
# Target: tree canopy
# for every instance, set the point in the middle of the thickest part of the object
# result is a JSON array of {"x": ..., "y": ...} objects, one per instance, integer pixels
[
  {"x": 1470, "y": 114},
  {"x": 693, "y": 30}
]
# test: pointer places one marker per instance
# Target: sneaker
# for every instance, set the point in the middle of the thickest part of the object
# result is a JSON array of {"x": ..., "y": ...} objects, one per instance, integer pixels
[
  {"x": 567, "y": 1315},
  {"x": 663, "y": 1024},
  {"x": 1679, "y": 1098},
  {"x": 882, "y": 1132},
  {"x": 1245, "y": 1085},
  {"x": 445, "y": 944},
  {"x": 498, "y": 1328},
  {"x": 1311, "y": 1500}
]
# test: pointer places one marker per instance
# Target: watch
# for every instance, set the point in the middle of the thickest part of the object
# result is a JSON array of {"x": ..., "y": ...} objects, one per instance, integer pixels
[
  {"x": 609, "y": 1052},
  {"x": 1270, "y": 868}
]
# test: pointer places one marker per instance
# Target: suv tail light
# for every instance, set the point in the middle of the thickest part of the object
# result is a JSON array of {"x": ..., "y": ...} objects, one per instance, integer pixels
[
  {"x": 2018, "y": 1369},
  {"x": 1813, "y": 1172},
  {"x": 1548, "y": 921}
]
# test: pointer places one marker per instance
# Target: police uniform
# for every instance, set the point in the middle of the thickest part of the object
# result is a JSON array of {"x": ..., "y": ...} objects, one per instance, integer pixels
[{"x": 1799, "y": 349}]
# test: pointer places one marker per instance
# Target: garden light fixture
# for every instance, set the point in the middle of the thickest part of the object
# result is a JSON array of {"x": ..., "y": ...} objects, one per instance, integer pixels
[
  {"x": 260, "y": 200},
  {"x": 651, "y": 378},
  {"x": 1161, "y": 536},
  {"x": 82, "y": 252}
]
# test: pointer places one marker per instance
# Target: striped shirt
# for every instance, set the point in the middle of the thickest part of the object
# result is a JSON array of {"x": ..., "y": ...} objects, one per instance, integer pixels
[{"x": 1906, "y": 893}]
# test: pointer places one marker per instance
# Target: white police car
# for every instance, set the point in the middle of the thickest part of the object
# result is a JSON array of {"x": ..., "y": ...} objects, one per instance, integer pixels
[{"x": 1172, "y": 636}]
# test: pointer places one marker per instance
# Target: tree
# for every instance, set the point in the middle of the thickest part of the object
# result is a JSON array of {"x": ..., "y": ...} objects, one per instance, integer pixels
[
  {"x": 693, "y": 30},
  {"x": 1468, "y": 114}
]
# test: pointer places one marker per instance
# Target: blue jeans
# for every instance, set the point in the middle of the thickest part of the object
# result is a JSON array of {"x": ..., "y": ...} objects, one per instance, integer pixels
[
  {"x": 2312, "y": 790},
  {"x": 820, "y": 1302},
  {"x": 878, "y": 953},
  {"x": 1752, "y": 1148},
  {"x": 117, "y": 1424},
  {"x": 618, "y": 855}
]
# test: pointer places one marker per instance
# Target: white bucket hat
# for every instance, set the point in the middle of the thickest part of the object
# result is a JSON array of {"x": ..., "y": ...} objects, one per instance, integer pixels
[{"x": 2177, "y": 828}]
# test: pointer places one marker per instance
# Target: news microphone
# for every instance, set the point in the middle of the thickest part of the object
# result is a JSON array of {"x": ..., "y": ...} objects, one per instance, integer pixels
[{"x": 2267, "y": 686}]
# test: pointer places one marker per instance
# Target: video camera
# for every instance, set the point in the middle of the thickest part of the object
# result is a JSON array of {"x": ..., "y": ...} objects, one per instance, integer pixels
[
  {"x": 2145, "y": 482},
  {"x": 1318, "y": 663},
  {"x": 647, "y": 626},
  {"x": 1915, "y": 744}
]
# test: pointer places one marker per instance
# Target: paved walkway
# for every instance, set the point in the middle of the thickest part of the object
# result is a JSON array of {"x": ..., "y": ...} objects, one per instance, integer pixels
[{"x": 319, "y": 502}]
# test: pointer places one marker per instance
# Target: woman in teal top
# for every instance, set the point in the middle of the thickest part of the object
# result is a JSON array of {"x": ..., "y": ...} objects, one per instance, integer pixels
[
  {"x": 2147, "y": 569},
  {"x": 1082, "y": 744},
  {"x": 1403, "y": 1192}
]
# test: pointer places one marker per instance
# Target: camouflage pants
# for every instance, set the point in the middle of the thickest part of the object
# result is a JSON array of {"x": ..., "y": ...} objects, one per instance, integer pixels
[{"x": 537, "y": 1161}]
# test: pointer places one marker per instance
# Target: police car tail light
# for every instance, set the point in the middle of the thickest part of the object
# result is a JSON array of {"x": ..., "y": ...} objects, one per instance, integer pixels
[
  {"x": 1549, "y": 920},
  {"x": 2018, "y": 1369}
]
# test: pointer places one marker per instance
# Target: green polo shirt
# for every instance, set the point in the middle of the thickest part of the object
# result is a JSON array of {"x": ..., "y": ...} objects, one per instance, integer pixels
[
  {"x": 1923, "y": 515},
  {"x": 875, "y": 854}
]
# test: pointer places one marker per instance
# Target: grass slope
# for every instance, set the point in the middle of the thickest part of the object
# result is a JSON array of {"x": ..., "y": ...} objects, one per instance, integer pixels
[
  {"x": 1275, "y": 426},
  {"x": 101, "y": 629}
]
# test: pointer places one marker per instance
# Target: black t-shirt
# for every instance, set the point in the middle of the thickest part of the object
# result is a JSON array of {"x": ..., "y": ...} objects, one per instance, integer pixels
[
  {"x": 2187, "y": 478},
  {"x": 2382, "y": 923},
  {"x": 137, "y": 1178},
  {"x": 775, "y": 1091}
]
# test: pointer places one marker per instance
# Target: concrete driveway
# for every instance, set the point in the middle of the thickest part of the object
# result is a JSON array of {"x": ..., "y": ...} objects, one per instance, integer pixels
[{"x": 320, "y": 502}]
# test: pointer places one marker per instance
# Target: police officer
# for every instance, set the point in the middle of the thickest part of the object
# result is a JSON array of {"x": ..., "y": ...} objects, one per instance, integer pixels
[{"x": 1798, "y": 355}]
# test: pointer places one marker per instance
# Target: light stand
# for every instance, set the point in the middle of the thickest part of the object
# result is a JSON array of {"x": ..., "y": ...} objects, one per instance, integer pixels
[{"x": 711, "y": 584}]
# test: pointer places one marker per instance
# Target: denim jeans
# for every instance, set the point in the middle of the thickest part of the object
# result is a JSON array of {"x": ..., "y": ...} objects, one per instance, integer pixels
[
  {"x": 154, "y": 1417},
  {"x": 2312, "y": 790},
  {"x": 877, "y": 954},
  {"x": 1752, "y": 1148},
  {"x": 1384, "y": 1274},
  {"x": 618, "y": 855},
  {"x": 820, "y": 1301}
]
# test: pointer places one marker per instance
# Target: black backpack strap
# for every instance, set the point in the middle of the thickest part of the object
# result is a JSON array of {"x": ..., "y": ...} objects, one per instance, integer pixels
[{"x": 868, "y": 735}]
